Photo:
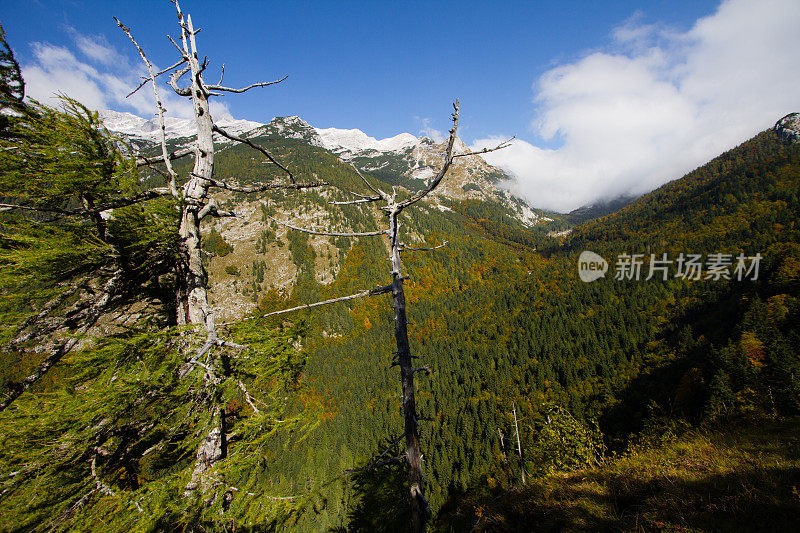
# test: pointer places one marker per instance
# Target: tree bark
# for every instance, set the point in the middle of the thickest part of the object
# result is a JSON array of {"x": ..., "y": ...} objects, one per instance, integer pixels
[
  {"x": 416, "y": 481},
  {"x": 192, "y": 292}
]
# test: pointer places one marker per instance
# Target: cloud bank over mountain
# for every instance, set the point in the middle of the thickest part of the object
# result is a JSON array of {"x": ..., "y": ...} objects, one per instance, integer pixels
[
  {"x": 99, "y": 76},
  {"x": 651, "y": 105},
  {"x": 657, "y": 103}
]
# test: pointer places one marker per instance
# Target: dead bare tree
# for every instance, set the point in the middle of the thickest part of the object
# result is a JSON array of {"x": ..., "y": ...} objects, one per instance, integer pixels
[
  {"x": 519, "y": 445},
  {"x": 393, "y": 206},
  {"x": 193, "y": 198}
]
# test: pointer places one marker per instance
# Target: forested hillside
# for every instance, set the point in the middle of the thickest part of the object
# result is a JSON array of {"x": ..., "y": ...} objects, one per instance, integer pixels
[
  {"x": 503, "y": 319},
  {"x": 527, "y": 375}
]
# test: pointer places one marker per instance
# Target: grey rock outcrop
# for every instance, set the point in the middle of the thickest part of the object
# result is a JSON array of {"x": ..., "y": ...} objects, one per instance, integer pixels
[{"x": 789, "y": 127}]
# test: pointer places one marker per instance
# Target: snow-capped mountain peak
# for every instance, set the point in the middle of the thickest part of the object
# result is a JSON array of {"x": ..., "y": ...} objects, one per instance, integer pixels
[
  {"x": 354, "y": 141},
  {"x": 135, "y": 126}
]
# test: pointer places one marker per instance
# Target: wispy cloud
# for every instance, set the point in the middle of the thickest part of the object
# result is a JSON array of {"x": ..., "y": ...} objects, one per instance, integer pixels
[
  {"x": 657, "y": 103},
  {"x": 425, "y": 129},
  {"x": 98, "y": 75}
]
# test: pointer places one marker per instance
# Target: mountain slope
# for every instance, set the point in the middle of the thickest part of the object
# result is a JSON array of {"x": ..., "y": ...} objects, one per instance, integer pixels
[
  {"x": 503, "y": 320},
  {"x": 261, "y": 244},
  {"x": 510, "y": 327}
]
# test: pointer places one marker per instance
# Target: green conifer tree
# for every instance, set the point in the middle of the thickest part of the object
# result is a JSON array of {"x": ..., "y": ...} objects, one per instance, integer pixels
[{"x": 104, "y": 405}]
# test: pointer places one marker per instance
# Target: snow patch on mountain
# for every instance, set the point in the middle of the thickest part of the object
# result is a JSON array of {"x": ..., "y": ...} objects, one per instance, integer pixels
[
  {"x": 351, "y": 142},
  {"x": 424, "y": 173},
  {"x": 135, "y": 126}
]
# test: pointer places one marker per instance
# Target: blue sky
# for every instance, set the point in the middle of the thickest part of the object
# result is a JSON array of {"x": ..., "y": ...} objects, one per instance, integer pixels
[{"x": 605, "y": 97}]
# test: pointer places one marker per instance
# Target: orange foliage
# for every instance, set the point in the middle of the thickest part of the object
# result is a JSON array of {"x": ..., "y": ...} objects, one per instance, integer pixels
[{"x": 753, "y": 349}]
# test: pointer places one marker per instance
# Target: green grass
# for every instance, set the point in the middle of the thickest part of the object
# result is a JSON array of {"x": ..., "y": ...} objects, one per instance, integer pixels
[{"x": 740, "y": 476}]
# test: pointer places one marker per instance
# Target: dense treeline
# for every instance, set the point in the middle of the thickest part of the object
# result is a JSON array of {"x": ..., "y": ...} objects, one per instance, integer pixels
[
  {"x": 103, "y": 398},
  {"x": 517, "y": 343},
  {"x": 504, "y": 325}
]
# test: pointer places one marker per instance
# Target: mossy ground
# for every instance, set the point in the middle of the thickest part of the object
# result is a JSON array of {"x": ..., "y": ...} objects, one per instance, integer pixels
[{"x": 739, "y": 476}]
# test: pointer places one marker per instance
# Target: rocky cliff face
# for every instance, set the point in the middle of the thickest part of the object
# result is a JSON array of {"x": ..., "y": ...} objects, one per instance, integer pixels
[
  {"x": 265, "y": 257},
  {"x": 789, "y": 127}
]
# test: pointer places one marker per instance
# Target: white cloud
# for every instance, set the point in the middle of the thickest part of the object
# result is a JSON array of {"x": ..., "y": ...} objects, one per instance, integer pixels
[
  {"x": 427, "y": 130},
  {"x": 97, "y": 48},
  {"x": 99, "y": 76},
  {"x": 658, "y": 104}
]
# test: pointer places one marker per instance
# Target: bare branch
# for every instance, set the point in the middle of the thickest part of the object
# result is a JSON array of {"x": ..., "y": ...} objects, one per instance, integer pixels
[
  {"x": 372, "y": 292},
  {"x": 378, "y": 464},
  {"x": 504, "y": 144},
  {"x": 243, "y": 89},
  {"x": 361, "y": 201},
  {"x": 208, "y": 369},
  {"x": 376, "y": 460},
  {"x": 379, "y": 192},
  {"x": 266, "y": 186},
  {"x": 403, "y": 248},
  {"x": 173, "y": 82},
  {"x": 177, "y": 154},
  {"x": 221, "y": 74},
  {"x": 230, "y": 344},
  {"x": 173, "y": 177},
  {"x": 176, "y": 46},
  {"x": 331, "y": 233},
  {"x": 254, "y": 146},
  {"x": 248, "y": 398},
  {"x": 159, "y": 73},
  {"x": 211, "y": 209},
  {"x": 448, "y": 159},
  {"x": 356, "y": 194}
]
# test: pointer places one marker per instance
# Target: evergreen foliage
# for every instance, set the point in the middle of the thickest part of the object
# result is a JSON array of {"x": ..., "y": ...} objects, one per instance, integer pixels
[
  {"x": 214, "y": 243},
  {"x": 104, "y": 399},
  {"x": 502, "y": 318},
  {"x": 107, "y": 438}
]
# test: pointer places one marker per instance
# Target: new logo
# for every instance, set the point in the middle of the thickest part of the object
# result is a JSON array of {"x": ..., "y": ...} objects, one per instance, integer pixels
[{"x": 591, "y": 266}]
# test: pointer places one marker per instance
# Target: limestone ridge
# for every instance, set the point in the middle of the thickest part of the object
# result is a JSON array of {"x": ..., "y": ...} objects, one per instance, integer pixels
[
  {"x": 260, "y": 245},
  {"x": 139, "y": 128},
  {"x": 403, "y": 160},
  {"x": 789, "y": 127},
  {"x": 292, "y": 127}
]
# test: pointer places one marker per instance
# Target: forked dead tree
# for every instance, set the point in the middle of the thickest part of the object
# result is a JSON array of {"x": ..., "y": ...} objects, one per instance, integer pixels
[
  {"x": 393, "y": 207},
  {"x": 193, "y": 198}
]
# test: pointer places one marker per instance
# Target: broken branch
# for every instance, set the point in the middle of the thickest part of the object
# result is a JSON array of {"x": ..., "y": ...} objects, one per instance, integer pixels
[
  {"x": 448, "y": 159},
  {"x": 331, "y": 233},
  {"x": 403, "y": 248},
  {"x": 370, "y": 292},
  {"x": 242, "y": 140},
  {"x": 159, "y": 73},
  {"x": 243, "y": 89},
  {"x": 265, "y": 186},
  {"x": 504, "y": 144},
  {"x": 173, "y": 177},
  {"x": 177, "y": 154}
]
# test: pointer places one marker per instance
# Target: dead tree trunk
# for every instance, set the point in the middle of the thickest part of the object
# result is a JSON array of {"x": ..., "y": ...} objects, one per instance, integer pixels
[
  {"x": 416, "y": 483},
  {"x": 193, "y": 306},
  {"x": 519, "y": 446},
  {"x": 393, "y": 207}
]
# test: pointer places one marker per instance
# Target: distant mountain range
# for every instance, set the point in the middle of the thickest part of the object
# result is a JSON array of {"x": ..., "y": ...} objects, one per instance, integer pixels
[{"x": 403, "y": 160}]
